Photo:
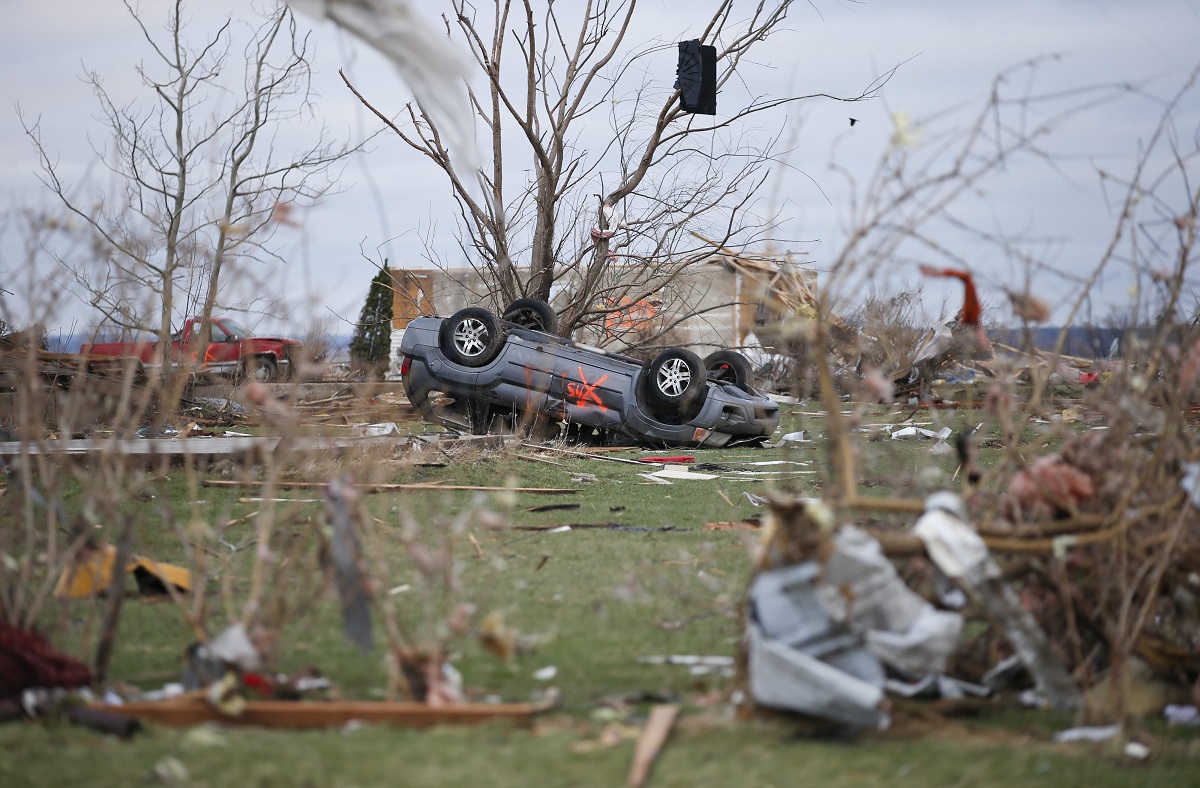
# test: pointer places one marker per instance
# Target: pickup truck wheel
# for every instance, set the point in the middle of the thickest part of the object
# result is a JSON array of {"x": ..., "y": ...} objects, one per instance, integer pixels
[
  {"x": 728, "y": 366},
  {"x": 675, "y": 386},
  {"x": 532, "y": 313},
  {"x": 471, "y": 337},
  {"x": 261, "y": 368}
]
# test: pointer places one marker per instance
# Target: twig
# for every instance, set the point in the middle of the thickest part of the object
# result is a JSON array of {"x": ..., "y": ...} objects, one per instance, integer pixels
[
  {"x": 475, "y": 543},
  {"x": 116, "y": 597}
]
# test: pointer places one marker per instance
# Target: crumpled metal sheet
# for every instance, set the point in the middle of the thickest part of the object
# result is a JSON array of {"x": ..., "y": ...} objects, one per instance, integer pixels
[
  {"x": 819, "y": 635},
  {"x": 960, "y": 553},
  {"x": 787, "y": 678},
  {"x": 802, "y": 661},
  {"x": 861, "y": 587}
]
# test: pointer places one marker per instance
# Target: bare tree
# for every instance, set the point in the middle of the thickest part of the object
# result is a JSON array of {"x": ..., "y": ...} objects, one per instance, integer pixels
[
  {"x": 197, "y": 181},
  {"x": 615, "y": 216}
]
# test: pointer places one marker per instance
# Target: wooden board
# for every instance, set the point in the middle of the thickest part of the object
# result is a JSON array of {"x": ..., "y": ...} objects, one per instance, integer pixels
[{"x": 193, "y": 709}]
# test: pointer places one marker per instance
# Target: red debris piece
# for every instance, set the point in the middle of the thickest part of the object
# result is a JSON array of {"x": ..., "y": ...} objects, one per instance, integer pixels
[
  {"x": 971, "y": 310},
  {"x": 27, "y": 661},
  {"x": 1048, "y": 486}
]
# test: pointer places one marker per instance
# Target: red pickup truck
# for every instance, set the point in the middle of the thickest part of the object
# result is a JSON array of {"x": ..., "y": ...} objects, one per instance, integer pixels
[{"x": 232, "y": 350}]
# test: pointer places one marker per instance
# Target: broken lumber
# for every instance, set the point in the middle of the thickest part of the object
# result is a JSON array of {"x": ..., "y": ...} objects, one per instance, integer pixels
[
  {"x": 394, "y": 487},
  {"x": 193, "y": 709},
  {"x": 654, "y": 736}
]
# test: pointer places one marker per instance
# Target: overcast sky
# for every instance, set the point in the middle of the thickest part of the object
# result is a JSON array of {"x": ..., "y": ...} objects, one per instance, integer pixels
[{"x": 391, "y": 200}]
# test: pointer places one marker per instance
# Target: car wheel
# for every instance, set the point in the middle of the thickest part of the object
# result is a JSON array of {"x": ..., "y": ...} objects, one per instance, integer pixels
[
  {"x": 261, "y": 368},
  {"x": 728, "y": 366},
  {"x": 471, "y": 337},
  {"x": 675, "y": 385},
  {"x": 532, "y": 313}
]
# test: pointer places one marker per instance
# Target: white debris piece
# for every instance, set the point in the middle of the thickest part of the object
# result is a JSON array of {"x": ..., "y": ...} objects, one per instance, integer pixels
[
  {"x": 819, "y": 635},
  {"x": 860, "y": 587},
  {"x": 921, "y": 432},
  {"x": 379, "y": 430},
  {"x": 962, "y": 555},
  {"x": 233, "y": 646},
  {"x": 682, "y": 474},
  {"x": 1191, "y": 482},
  {"x": 1178, "y": 714},
  {"x": 787, "y": 678},
  {"x": 1092, "y": 733}
]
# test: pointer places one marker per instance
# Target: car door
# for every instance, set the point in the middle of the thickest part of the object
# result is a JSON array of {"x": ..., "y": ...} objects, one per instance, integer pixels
[{"x": 223, "y": 349}]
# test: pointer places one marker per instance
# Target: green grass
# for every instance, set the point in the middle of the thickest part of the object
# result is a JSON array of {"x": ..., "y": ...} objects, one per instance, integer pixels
[
  {"x": 592, "y": 601},
  {"x": 702, "y": 751}
]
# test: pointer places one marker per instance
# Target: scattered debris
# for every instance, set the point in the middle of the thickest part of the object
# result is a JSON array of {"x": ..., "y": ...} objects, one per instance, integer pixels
[
  {"x": 92, "y": 570},
  {"x": 1176, "y": 714},
  {"x": 654, "y": 736},
  {"x": 849, "y": 693},
  {"x": 932, "y": 686},
  {"x": 27, "y": 661},
  {"x": 859, "y": 586},
  {"x": 961, "y": 554},
  {"x": 733, "y": 525},
  {"x": 1049, "y": 486},
  {"x": 1136, "y": 750},
  {"x": 682, "y": 474},
  {"x": 379, "y": 430},
  {"x": 800, "y": 659},
  {"x": 153, "y": 577},
  {"x": 89, "y": 574},
  {"x": 606, "y": 526},
  {"x": 1191, "y": 482},
  {"x": 192, "y": 709},
  {"x": 233, "y": 649},
  {"x": 697, "y": 665},
  {"x": 756, "y": 500},
  {"x": 112, "y": 723},
  {"x": 910, "y": 432},
  {"x": 373, "y": 488},
  {"x": 1088, "y": 733},
  {"x": 553, "y": 507}
]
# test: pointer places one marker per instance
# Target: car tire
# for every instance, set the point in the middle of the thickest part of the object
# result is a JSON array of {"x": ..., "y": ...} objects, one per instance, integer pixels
[
  {"x": 728, "y": 366},
  {"x": 260, "y": 368},
  {"x": 675, "y": 386},
  {"x": 532, "y": 313},
  {"x": 471, "y": 337}
]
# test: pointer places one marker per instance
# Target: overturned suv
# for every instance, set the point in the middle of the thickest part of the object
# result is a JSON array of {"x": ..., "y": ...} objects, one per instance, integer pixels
[{"x": 475, "y": 372}]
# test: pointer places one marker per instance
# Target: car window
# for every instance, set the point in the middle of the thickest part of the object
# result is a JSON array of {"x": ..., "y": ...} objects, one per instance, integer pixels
[{"x": 234, "y": 329}]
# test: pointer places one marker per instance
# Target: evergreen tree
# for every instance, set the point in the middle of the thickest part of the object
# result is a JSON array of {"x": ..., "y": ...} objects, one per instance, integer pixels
[{"x": 371, "y": 347}]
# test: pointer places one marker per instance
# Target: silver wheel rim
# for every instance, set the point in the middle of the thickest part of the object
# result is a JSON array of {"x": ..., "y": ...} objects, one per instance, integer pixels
[
  {"x": 470, "y": 337},
  {"x": 261, "y": 372},
  {"x": 673, "y": 377}
]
